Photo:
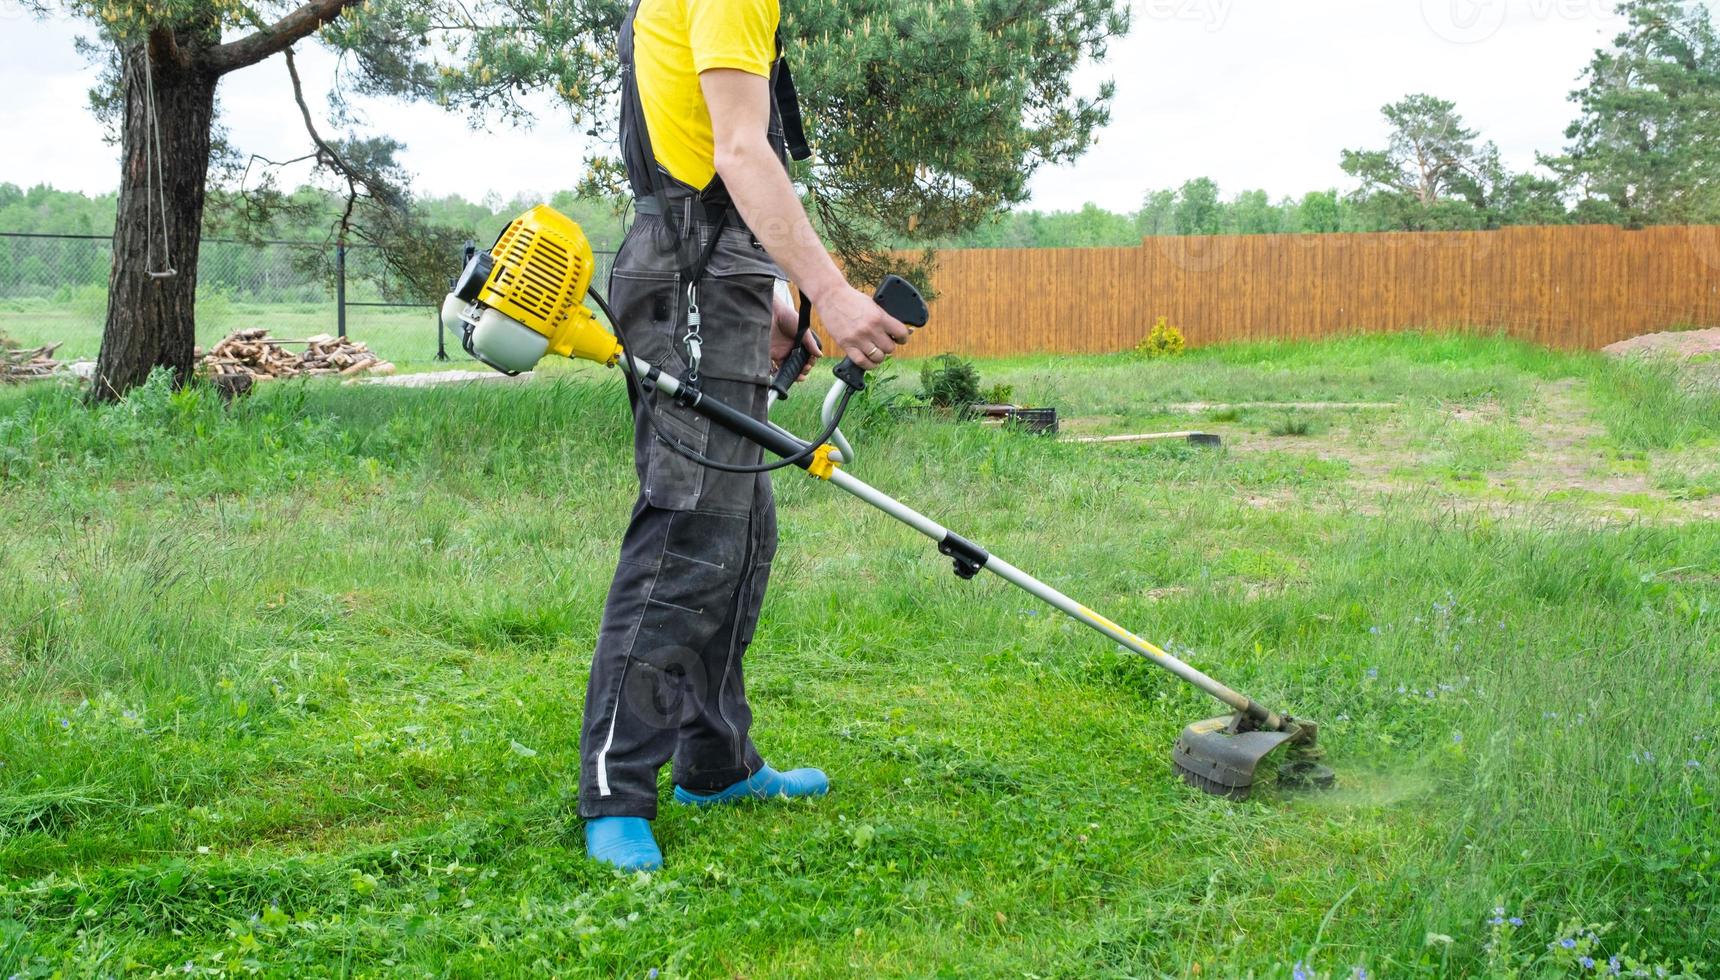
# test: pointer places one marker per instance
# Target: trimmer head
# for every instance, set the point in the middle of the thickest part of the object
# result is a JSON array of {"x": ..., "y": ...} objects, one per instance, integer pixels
[{"x": 1220, "y": 756}]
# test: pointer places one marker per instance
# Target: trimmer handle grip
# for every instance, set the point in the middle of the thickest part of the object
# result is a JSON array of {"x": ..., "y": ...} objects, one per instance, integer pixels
[
  {"x": 795, "y": 363},
  {"x": 896, "y": 295},
  {"x": 901, "y": 300}
]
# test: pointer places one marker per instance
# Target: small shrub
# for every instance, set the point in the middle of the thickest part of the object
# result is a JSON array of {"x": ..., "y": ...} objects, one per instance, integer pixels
[
  {"x": 999, "y": 394},
  {"x": 882, "y": 404},
  {"x": 1292, "y": 426},
  {"x": 947, "y": 381},
  {"x": 1163, "y": 340}
]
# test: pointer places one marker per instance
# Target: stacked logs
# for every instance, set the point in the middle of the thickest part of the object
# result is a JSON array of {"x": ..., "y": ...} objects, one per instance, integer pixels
[
  {"x": 24, "y": 364},
  {"x": 255, "y": 354}
]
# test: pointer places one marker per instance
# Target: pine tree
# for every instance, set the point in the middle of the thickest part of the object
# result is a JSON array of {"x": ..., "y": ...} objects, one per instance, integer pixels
[{"x": 1645, "y": 148}]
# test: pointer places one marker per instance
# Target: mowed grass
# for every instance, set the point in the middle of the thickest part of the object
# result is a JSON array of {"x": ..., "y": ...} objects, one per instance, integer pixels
[
  {"x": 407, "y": 335},
  {"x": 293, "y": 688}
]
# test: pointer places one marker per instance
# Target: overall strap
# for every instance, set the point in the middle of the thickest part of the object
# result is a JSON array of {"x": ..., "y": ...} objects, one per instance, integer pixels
[
  {"x": 644, "y": 174},
  {"x": 786, "y": 106}
]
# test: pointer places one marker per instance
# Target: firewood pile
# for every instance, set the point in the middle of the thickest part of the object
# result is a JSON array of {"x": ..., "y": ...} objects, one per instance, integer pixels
[
  {"x": 255, "y": 354},
  {"x": 24, "y": 364}
]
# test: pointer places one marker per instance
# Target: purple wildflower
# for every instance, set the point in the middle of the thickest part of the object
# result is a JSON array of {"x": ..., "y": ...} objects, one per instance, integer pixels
[
  {"x": 1299, "y": 972},
  {"x": 1568, "y": 943},
  {"x": 1515, "y": 921},
  {"x": 1373, "y": 673},
  {"x": 1586, "y": 962},
  {"x": 1613, "y": 965}
]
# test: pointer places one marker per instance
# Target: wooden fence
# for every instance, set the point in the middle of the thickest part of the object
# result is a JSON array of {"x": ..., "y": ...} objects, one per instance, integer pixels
[{"x": 1573, "y": 287}]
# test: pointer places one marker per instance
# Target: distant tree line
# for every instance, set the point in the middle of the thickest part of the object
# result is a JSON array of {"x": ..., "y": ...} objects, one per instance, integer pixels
[
  {"x": 1643, "y": 150},
  {"x": 60, "y": 269}
]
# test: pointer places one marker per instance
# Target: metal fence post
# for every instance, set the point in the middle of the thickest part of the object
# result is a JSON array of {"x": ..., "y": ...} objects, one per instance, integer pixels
[{"x": 340, "y": 289}]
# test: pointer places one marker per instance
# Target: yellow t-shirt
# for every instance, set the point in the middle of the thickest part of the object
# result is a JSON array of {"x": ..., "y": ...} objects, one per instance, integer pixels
[{"x": 675, "y": 40}]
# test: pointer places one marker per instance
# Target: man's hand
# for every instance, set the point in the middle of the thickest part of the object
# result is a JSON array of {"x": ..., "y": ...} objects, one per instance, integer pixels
[
  {"x": 860, "y": 327},
  {"x": 787, "y": 321}
]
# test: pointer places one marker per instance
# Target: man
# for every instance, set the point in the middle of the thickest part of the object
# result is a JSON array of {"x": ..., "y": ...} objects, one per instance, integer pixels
[{"x": 705, "y": 103}]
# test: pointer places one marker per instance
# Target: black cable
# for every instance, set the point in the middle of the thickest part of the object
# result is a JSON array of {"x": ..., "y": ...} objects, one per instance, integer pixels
[{"x": 638, "y": 390}]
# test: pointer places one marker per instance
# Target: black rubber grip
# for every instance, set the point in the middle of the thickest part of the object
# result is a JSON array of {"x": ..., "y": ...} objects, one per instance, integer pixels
[
  {"x": 789, "y": 373},
  {"x": 795, "y": 362}
]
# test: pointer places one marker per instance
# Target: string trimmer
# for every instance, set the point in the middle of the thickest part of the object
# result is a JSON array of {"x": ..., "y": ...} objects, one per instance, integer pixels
[{"x": 524, "y": 299}]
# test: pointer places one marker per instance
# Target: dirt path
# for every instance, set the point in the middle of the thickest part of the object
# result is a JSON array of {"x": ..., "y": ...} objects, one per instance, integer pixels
[{"x": 1564, "y": 456}]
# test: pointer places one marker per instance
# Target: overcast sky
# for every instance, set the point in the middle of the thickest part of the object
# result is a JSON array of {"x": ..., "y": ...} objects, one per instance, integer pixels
[{"x": 1253, "y": 93}]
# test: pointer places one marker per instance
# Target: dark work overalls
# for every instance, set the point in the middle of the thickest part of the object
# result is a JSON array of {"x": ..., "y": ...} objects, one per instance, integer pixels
[{"x": 666, "y": 680}]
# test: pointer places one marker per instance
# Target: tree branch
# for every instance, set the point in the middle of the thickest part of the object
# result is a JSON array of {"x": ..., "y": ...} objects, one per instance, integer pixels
[
  {"x": 162, "y": 47},
  {"x": 326, "y": 153},
  {"x": 276, "y": 37}
]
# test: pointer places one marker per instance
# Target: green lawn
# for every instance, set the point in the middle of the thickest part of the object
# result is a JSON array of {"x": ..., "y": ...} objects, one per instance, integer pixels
[
  {"x": 407, "y": 335},
  {"x": 293, "y": 688}
]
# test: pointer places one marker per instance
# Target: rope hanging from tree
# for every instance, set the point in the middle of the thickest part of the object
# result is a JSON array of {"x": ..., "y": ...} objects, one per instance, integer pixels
[{"x": 152, "y": 154}]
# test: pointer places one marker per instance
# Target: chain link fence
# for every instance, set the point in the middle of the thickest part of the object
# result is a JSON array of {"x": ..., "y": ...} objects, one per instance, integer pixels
[{"x": 53, "y": 289}]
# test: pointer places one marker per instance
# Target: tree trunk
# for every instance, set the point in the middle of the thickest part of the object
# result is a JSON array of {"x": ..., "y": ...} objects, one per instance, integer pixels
[{"x": 151, "y": 320}]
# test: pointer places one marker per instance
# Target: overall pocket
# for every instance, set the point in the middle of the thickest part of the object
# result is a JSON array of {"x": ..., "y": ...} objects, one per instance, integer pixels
[
  {"x": 737, "y": 299},
  {"x": 645, "y": 301}
]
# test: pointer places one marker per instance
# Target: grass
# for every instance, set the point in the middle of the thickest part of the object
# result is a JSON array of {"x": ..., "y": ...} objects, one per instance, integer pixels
[
  {"x": 293, "y": 688},
  {"x": 406, "y": 334}
]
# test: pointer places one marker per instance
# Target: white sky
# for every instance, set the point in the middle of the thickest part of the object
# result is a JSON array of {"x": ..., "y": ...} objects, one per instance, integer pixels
[{"x": 1253, "y": 93}]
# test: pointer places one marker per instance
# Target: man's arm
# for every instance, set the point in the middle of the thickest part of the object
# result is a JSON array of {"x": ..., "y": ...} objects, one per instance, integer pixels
[{"x": 739, "y": 103}]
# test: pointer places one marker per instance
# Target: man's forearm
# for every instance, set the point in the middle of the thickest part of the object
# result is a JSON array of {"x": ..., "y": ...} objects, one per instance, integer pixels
[{"x": 765, "y": 197}]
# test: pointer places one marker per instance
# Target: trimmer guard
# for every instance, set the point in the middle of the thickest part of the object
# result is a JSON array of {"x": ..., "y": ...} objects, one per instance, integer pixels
[{"x": 1221, "y": 755}]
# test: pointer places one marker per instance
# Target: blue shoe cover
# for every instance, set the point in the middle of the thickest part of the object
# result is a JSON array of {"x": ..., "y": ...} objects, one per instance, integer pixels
[
  {"x": 623, "y": 842},
  {"x": 766, "y": 784}
]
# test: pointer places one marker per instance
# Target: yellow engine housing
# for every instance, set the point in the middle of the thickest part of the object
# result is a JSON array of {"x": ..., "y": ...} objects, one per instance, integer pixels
[{"x": 543, "y": 267}]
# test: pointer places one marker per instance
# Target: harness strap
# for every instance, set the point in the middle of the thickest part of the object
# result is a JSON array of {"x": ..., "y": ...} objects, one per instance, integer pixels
[{"x": 788, "y": 106}]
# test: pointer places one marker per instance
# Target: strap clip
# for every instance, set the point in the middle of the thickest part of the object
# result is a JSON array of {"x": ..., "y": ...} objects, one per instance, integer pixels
[{"x": 694, "y": 342}]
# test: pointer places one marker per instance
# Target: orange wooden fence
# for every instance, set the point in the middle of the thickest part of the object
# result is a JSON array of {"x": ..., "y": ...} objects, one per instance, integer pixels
[{"x": 1574, "y": 287}]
